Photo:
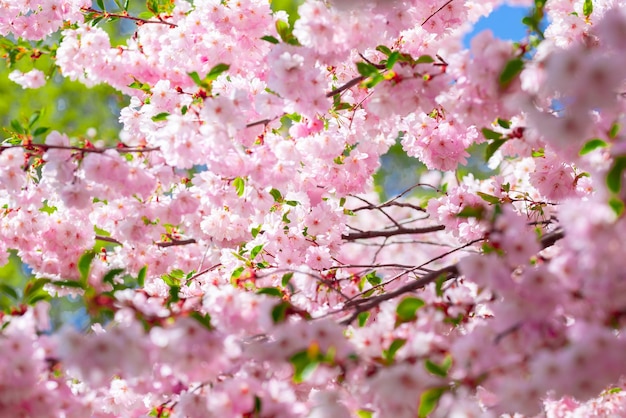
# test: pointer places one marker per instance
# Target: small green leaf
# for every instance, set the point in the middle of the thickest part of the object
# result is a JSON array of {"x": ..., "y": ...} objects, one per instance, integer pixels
[
  {"x": 100, "y": 4},
  {"x": 270, "y": 39},
  {"x": 429, "y": 400},
  {"x": 33, "y": 119},
  {"x": 271, "y": 291},
  {"x": 68, "y": 283},
  {"x": 303, "y": 365},
  {"x": 614, "y": 176},
  {"x": 84, "y": 264},
  {"x": 407, "y": 308},
  {"x": 141, "y": 277},
  {"x": 255, "y": 251},
  {"x": 489, "y": 134},
  {"x": 41, "y": 130},
  {"x": 216, "y": 71},
  {"x": 439, "y": 369},
  {"x": 8, "y": 291},
  {"x": 366, "y": 69},
  {"x": 363, "y": 413},
  {"x": 493, "y": 147},
  {"x": 32, "y": 288},
  {"x": 286, "y": 278},
  {"x": 237, "y": 272},
  {"x": 373, "y": 279},
  {"x": 17, "y": 126},
  {"x": 276, "y": 195},
  {"x": 240, "y": 185},
  {"x": 279, "y": 312},
  {"x": 195, "y": 77},
  {"x": 390, "y": 354},
  {"x": 110, "y": 275},
  {"x": 617, "y": 205},
  {"x": 538, "y": 153},
  {"x": 204, "y": 320},
  {"x": 161, "y": 116},
  {"x": 385, "y": 50},
  {"x": 504, "y": 123},
  {"x": 471, "y": 212},
  {"x": 255, "y": 231},
  {"x": 510, "y": 71},
  {"x": 588, "y": 8},
  {"x": 362, "y": 318},
  {"x": 489, "y": 198},
  {"x": 615, "y": 128},
  {"x": 591, "y": 145},
  {"x": 393, "y": 58},
  {"x": 425, "y": 59}
]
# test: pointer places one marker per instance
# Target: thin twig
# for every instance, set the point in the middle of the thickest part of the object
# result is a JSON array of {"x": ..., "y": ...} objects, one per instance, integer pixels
[
  {"x": 435, "y": 12},
  {"x": 125, "y": 15},
  {"x": 46, "y": 147},
  {"x": 400, "y": 231}
]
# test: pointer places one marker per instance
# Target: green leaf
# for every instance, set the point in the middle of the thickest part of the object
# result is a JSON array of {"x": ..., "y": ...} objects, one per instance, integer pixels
[
  {"x": 110, "y": 275},
  {"x": 84, "y": 264},
  {"x": 504, "y": 123},
  {"x": 41, "y": 130},
  {"x": 493, "y": 147},
  {"x": 489, "y": 134},
  {"x": 385, "y": 50},
  {"x": 429, "y": 400},
  {"x": 366, "y": 69},
  {"x": 270, "y": 39},
  {"x": 141, "y": 277},
  {"x": 373, "y": 80},
  {"x": 615, "y": 128},
  {"x": 216, "y": 71},
  {"x": 161, "y": 116},
  {"x": 286, "y": 278},
  {"x": 591, "y": 145},
  {"x": 439, "y": 369},
  {"x": 393, "y": 58},
  {"x": 237, "y": 272},
  {"x": 33, "y": 118},
  {"x": 8, "y": 291},
  {"x": 204, "y": 320},
  {"x": 488, "y": 198},
  {"x": 32, "y": 288},
  {"x": 195, "y": 77},
  {"x": 614, "y": 176},
  {"x": 276, "y": 195},
  {"x": 100, "y": 4},
  {"x": 407, "y": 308},
  {"x": 279, "y": 312},
  {"x": 255, "y": 251},
  {"x": 362, "y": 318},
  {"x": 271, "y": 291},
  {"x": 286, "y": 32},
  {"x": 617, "y": 205},
  {"x": 425, "y": 59},
  {"x": 390, "y": 353},
  {"x": 17, "y": 126},
  {"x": 174, "y": 294},
  {"x": 373, "y": 279},
  {"x": 588, "y": 8},
  {"x": 538, "y": 153},
  {"x": 471, "y": 212},
  {"x": 68, "y": 283},
  {"x": 510, "y": 71},
  {"x": 363, "y": 413},
  {"x": 303, "y": 365},
  {"x": 240, "y": 185}
]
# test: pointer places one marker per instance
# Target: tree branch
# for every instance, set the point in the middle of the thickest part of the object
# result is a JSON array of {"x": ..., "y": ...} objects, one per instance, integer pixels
[
  {"x": 125, "y": 15},
  {"x": 447, "y": 273},
  {"x": 46, "y": 147},
  {"x": 352, "y": 236}
]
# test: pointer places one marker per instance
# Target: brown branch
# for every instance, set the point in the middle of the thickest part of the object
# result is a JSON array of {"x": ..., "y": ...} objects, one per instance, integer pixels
[
  {"x": 162, "y": 244},
  {"x": 400, "y": 231},
  {"x": 446, "y": 273},
  {"x": 436, "y": 11},
  {"x": 346, "y": 86},
  {"x": 46, "y": 147},
  {"x": 125, "y": 15}
]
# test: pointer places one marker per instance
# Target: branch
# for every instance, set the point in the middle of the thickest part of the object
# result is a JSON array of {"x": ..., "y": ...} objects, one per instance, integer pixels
[
  {"x": 346, "y": 86},
  {"x": 400, "y": 231},
  {"x": 436, "y": 11},
  {"x": 162, "y": 244},
  {"x": 46, "y": 147},
  {"x": 446, "y": 273},
  {"x": 125, "y": 15}
]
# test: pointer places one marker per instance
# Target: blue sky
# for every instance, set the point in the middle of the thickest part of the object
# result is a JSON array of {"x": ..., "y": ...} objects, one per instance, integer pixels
[{"x": 505, "y": 22}]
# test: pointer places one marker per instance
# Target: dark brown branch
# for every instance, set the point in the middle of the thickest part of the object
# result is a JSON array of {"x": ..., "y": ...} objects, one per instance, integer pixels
[
  {"x": 436, "y": 11},
  {"x": 162, "y": 244},
  {"x": 445, "y": 273},
  {"x": 400, "y": 231},
  {"x": 125, "y": 15},
  {"x": 346, "y": 86},
  {"x": 46, "y": 147}
]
